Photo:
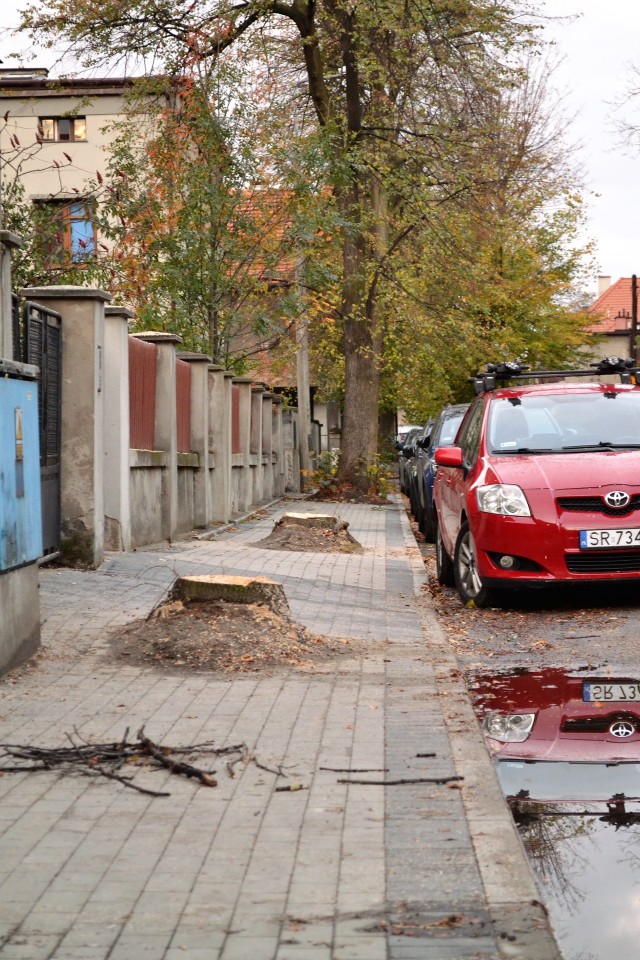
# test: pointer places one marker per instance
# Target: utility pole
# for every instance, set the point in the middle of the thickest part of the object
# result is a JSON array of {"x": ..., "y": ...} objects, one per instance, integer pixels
[
  {"x": 633, "y": 336},
  {"x": 302, "y": 377},
  {"x": 302, "y": 380}
]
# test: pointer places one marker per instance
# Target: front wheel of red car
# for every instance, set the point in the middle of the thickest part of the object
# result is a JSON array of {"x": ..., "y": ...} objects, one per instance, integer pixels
[{"x": 465, "y": 569}]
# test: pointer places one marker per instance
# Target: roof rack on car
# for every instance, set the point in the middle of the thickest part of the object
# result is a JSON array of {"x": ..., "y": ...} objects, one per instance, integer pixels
[{"x": 486, "y": 380}]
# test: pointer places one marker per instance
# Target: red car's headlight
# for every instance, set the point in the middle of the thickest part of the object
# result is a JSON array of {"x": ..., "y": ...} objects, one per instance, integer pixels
[{"x": 503, "y": 498}]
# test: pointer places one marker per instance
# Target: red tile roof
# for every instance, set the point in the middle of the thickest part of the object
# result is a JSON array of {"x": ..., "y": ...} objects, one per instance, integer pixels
[{"x": 612, "y": 309}]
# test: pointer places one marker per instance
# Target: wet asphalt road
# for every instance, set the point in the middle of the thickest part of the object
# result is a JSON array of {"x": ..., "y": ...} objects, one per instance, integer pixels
[{"x": 572, "y": 627}]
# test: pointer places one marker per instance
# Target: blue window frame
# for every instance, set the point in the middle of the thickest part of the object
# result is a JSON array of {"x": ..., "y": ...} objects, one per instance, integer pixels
[{"x": 82, "y": 242}]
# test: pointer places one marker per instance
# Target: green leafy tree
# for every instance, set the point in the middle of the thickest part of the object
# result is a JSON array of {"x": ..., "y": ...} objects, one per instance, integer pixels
[
  {"x": 498, "y": 272},
  {"x": 393, "y": 86},
  {"x": 402, "y": 111},
  {"x": 195, "y": 248}
]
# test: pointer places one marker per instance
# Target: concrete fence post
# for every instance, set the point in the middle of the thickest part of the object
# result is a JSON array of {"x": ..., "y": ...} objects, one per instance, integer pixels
[
  {"x": 220, "y": 440},
  {"x": 82, "y": 455},
  {"x": 267, "y": 446},
  {"x": 8, "y": 242},
  {"x": 257, "y": 492},
  {"x": 200, "y": 434},
  {"x": 291, "y": 449},
  {"x": 242, "y": 458},
  {"x": 166, "y": 424},
  {"x": 227, "y": 436},
  {"x": 277, "y": 447},
  {"x": 117, "y": 496}
]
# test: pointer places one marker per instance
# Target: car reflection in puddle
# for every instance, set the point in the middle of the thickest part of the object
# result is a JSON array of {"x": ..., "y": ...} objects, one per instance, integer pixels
[{"x": 567, "y": 751}]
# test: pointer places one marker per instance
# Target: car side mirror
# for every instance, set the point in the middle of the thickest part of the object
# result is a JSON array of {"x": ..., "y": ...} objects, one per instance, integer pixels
[
  {"x": 407, "y": 451},
  {"x": 448, "y": 457}
]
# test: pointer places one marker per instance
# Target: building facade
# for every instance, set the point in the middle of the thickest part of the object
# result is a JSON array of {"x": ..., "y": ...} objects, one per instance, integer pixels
[{"x": 56, "y": 137}]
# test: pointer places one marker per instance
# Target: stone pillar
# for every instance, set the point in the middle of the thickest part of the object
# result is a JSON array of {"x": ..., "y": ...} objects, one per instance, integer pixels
[
  {"x": 257, "y": 493},
  {"x": 227, "y": 437},
  {"x": 277, "y": 447},
  {"x": 200, "y": 434},
  {"x": 8, "y": 242},
  {"x": 117, "y": 498},
  {"x": 166, "y": 423},
  {"x": 244, "y": 457},
  {"x": 220, "y": 440},
  {"x": 267, "y": 446},
  {"x": 82, "y": 462},
  {"x": 291, "y": 449}
]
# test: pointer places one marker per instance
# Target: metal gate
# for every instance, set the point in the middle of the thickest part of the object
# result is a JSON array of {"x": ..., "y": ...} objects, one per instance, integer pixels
[{"x": 42, "y": 346}]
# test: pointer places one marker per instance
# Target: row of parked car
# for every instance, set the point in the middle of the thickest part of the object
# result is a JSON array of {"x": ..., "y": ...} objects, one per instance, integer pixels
[
  {"x": 533, "y": 483},
  {"x": 417, "y": 467}
]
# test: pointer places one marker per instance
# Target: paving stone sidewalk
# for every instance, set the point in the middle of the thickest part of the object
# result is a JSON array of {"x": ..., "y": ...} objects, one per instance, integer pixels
[{"x": 90, "y": 870}]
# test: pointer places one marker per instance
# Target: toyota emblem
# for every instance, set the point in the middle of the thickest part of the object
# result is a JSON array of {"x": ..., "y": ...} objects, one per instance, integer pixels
[
  {"x": 617, "y": 499},
  {"x": 621, "y": 729}
]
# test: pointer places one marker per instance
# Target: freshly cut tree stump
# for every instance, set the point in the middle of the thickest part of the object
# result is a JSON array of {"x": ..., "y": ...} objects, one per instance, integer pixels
[
  {"x": 233, "y": 590},
  {"x": 311, "y": 533},
  {"x": 327, "y": 521}
]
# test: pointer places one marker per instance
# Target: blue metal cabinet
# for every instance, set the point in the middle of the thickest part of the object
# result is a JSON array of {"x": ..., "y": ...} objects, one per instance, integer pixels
[{"x": 20, "y": 497}]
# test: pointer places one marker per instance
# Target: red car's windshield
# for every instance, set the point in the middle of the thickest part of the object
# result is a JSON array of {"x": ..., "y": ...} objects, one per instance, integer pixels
[{"x": 564, "y": 423}]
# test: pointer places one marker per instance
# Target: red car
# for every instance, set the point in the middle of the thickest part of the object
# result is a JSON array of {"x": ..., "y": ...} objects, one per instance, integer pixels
[{"x": 543, "y": 483}]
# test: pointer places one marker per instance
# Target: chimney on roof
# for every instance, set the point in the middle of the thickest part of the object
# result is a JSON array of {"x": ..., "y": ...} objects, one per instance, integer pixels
[{"x": 603, "y": 284}]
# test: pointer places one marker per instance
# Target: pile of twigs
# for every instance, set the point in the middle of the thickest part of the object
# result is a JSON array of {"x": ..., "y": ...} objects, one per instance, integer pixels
[{"x": 108, "y": 759}]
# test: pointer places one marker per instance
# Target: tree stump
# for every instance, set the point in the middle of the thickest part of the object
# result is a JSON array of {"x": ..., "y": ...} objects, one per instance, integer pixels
[
  {"x": 311, "y": 532},
  {"x": 324, "y": 521},
  {"x": 262, "y": 590}
]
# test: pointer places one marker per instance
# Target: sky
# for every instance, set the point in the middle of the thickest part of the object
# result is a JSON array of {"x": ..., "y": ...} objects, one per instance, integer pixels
[
  {"x": 597, "y": 43},
  {"x": 599, "y": 49}
]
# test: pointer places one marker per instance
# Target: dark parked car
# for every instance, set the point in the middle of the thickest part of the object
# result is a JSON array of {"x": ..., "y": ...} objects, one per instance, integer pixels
[
  {"x": 441, "y": 432},
  {"x": 403, "y": 432},
  {"x": 407, "y": 451},
  {"x": 419, "y": 442},
  {"x": 543, "y": 484}
]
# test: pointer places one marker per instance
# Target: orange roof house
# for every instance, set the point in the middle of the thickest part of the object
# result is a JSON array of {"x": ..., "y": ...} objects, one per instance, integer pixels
[
  {"x": 612, "y": 309},
  {"x": 612, "y": 316}
]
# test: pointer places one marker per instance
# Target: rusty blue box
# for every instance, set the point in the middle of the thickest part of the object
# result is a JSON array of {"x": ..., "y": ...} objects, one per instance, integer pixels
[{"x": 20, "y": 495}]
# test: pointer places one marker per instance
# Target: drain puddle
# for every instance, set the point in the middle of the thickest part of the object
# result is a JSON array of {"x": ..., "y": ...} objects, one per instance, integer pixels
[{"x": 566, "y": 745}]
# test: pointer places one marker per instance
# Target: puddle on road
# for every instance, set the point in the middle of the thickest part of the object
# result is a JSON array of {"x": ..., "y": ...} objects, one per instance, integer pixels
[{"x": 567, "y": 751}]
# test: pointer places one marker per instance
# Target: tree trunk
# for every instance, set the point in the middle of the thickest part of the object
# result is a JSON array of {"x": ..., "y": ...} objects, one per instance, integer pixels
[
  {"x": 362, "y": 338},
  {"x": 360, "y": 415}
]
